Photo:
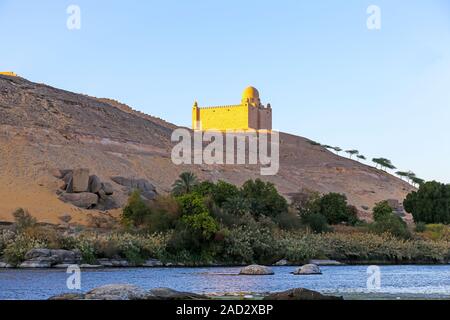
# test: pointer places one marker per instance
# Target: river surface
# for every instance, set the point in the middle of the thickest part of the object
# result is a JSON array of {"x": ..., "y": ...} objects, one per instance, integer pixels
[{"x": 430, "y": 282}]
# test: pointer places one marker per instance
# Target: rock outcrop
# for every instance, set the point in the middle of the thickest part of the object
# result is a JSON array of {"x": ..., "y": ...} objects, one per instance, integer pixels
[
  {"x": 146, "y": 188},
  {"x": 95, "y": 195},
  {"x": 129, "y": 292},
  {"x": 300, "y": 294},
  {"x": 256, "y": 270},
  {"x": 117, "y": 292},
  {"x": 47, "y": 258}
]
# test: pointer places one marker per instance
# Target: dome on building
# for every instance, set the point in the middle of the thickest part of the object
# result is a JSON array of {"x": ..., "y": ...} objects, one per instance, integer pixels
[{"x": 250, "y": 93}]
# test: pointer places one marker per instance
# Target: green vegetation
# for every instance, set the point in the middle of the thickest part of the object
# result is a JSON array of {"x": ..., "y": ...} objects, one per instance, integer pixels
[
  {"x": 430, "y": 204},
  {"x": 385, "y": 221},
  {"x": 204, "y": 222}
]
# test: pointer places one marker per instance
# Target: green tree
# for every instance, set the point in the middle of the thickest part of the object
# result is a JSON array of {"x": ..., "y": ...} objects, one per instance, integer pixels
[
  {"x": 384, "y": 163},
  {"x": 191, "y": 204},
  {"x": 361, "y": 157},
  {"x": 430, "y": 204},
  {"x": 201, "y": 224},
  {"x": 386, "y": 221},
  {"x": 334, "y": 208},
  {"x": 382, "y": 210},
  {"x": 136, "y": 210},
  {"x": 184, "y": 184},
  {"x": 263, "y": 198},
  {"x": 337, "y": 149},
  {"x": 352, "y": 152}
]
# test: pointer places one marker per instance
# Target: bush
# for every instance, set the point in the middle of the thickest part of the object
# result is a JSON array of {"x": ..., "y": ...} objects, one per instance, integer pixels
[
  {"x": 136, "y": 210},
  {"x": 23, "y": 219},
  {"x": 316, "y": 222},
  {"x": 437, "y": 232},
  {"x": 289, "y": 221},
  {"x": 430, "y": 204},
  {"x": 393, "y": 225},
  {"x": 191, "y": 204},
  {"x": 15, "y": 251},
  {"x": 420, "y": 227},
  {"x": 382, "y": 210}
]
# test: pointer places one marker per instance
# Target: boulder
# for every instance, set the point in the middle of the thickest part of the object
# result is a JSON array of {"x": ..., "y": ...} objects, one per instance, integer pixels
[
  {"x": 107, "y": 188},
  {"x": 117, "y": 292},
  {"x": 68, "y": 296},
  {"x": 325, "y": 262},
  {"x": 84, "y": 200},
  {"x": 46, "y": 258},
  {"x": 4, "y": 265},
  {"x": 95, "y": 184},
  {"x": 152, "y": 263},
  {"x": 80, "y": 180},
  {"x": 256, "y": 270},
  {"x": 300, "y": 294},
  {"x": 282, "y": 262},
  {"x": 170, "y": 294},
  {"x": 308, "y": 269},
  {"x": 146, "y": 188},
  {"x": 113, "y": 263}
]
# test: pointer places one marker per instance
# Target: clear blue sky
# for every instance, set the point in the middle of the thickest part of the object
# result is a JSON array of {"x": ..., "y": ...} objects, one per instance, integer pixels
[{"x": 328, "y": 78}]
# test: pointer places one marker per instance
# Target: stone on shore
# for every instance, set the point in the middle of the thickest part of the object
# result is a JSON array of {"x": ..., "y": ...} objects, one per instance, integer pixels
[
  {"x": 68, "y": 296},
  {"x": 170, "y": 294},
  {"x": 47, "y": 258},
  {"x": 152, "y": 263},
  {"x": 308, "y": 269},
  {"x": 117, "y": 292},
  {"x": 282, "y": 262},
  {"x": 300, "y": 294},
  {"x": 325, "y": 262},
  {"x": 256, "y": 270}
]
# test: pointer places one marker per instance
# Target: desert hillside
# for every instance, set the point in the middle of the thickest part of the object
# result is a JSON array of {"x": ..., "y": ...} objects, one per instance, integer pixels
[{"x": 43, "y": 129}]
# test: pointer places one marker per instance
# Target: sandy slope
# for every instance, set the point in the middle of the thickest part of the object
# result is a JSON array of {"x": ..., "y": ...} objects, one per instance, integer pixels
[{"x": 43, "y": 128}]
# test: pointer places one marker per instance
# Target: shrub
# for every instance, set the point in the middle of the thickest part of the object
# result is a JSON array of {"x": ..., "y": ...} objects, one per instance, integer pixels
[
  {"x": 23, "y": 219},
  {"x": 135, "y": 211},
  {"x": 437, "y": 232},
  {"x": 191, "y": 204},
  {"x": 391, "y": 224},
  {"x": 382, "y": 210},
  {"x": 15, "y": 251},
  {"x": 201, "y": 224},
  {"x": 316, "y": 222},
  {"x": 420, "y": 227},
  {"x": 289, "y": 221}
]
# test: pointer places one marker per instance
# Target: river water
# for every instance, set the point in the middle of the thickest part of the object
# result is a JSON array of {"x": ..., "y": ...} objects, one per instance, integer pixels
[{"x": 349, "y": 281}]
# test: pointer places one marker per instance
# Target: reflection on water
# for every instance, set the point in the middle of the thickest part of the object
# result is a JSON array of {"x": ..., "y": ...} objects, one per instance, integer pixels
[{"x": 346, "y": 280}]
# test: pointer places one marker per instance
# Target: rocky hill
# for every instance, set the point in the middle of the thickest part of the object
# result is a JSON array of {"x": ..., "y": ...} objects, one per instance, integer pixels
[{"x": 43, "y": 129}]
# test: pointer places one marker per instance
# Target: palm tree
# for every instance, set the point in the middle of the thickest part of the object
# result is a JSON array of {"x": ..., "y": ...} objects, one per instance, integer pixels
[{"x": 184, "y": 184}]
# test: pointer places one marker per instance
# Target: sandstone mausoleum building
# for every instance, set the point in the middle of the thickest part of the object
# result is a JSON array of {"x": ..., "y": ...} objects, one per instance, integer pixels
[{"x": 249, "y": 115}]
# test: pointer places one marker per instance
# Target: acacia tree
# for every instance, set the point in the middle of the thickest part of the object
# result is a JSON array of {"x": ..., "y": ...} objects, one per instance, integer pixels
[
  {"x": 352, "y": 152},
  {"x": 361, "y": 157},
  {"x": 384, "y": 163},
  {"x": 337, "y": 149}
]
